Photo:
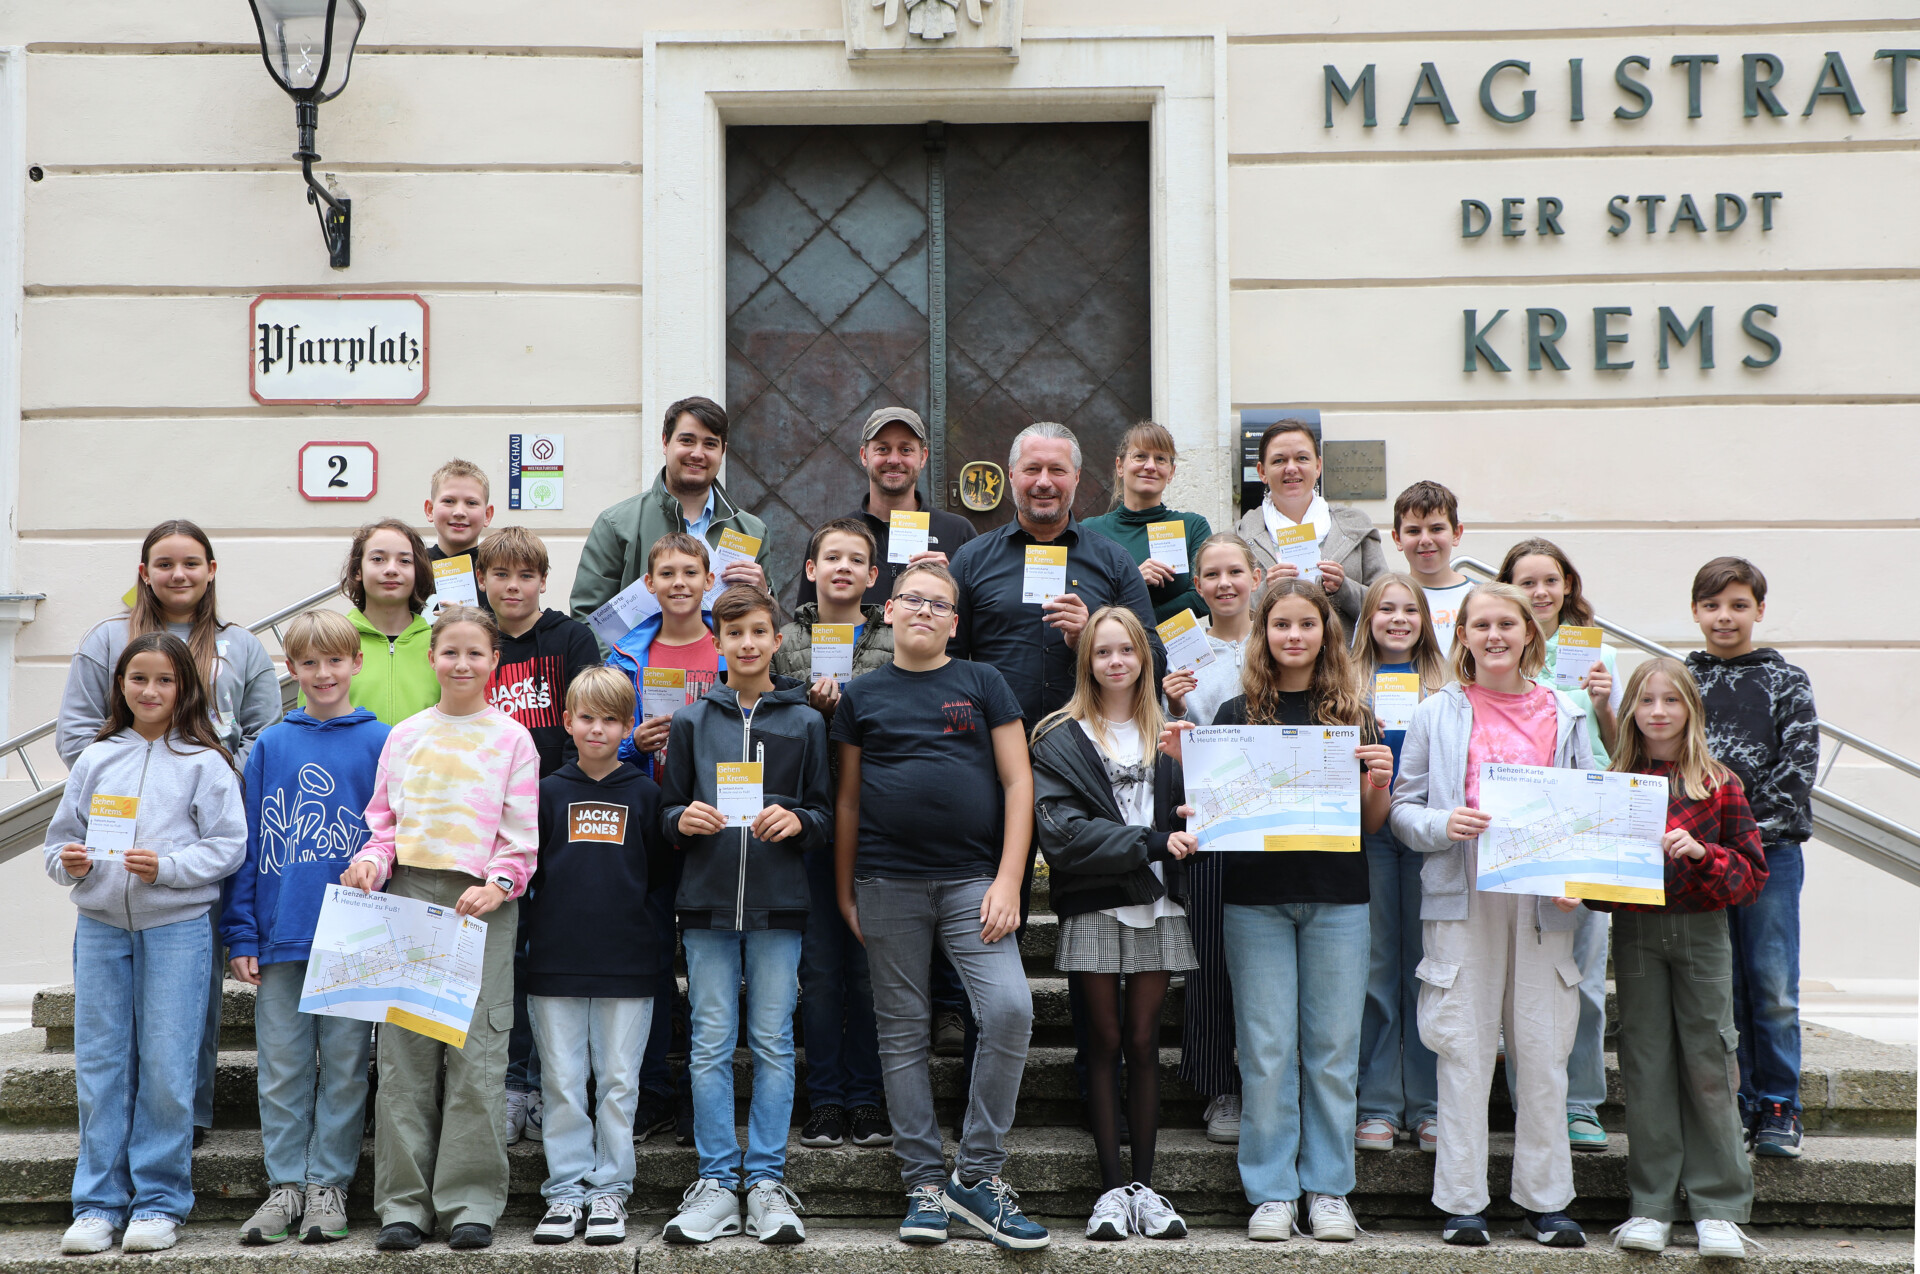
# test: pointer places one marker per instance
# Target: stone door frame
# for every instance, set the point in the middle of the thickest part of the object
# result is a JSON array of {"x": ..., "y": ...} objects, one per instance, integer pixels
[{"x": 697, "y": 83}]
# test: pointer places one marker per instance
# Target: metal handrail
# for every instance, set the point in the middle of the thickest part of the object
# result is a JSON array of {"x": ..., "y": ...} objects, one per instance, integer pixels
[
  {"x": 18, "y": 744},
  {"x": 1907, "y": 865}
]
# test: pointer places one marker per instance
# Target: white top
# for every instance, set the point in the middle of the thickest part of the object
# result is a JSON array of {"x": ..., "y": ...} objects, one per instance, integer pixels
[
  {"x": 1443, "y": 604},
  {"x": 1317, "y": 513},
  {"x": 1217, "y": 682},
  {"x": 1132, "y": 781}
]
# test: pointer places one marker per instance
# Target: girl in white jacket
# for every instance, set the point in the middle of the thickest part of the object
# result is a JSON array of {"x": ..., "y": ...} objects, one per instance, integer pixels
[
  {"x": 142, "y": 942},
  {"x": 1492, "y": 959}
]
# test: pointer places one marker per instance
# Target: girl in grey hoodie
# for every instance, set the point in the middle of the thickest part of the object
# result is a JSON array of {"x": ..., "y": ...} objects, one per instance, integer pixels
[{"x": 142, "y": 942}]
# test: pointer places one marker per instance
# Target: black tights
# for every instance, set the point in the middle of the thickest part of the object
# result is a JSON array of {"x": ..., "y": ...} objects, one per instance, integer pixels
[{"x": 1145, "y": 993}]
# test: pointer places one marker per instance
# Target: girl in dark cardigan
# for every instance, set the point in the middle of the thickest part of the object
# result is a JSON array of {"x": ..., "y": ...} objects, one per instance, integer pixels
[{"x": 1104, "y": 803}]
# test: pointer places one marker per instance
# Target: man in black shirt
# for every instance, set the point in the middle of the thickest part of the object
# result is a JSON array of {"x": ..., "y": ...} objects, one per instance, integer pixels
[{"x": 893, "y": 451}]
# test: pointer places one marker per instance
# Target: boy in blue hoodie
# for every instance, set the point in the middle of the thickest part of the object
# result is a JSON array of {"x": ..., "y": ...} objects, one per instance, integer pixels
[
  {"x": 307, "y": 782},
  {"x": 677, "y": 637}
]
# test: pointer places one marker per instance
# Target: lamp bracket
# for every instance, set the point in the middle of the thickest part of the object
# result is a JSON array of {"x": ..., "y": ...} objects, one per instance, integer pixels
[{"x": 335, "y": 212}]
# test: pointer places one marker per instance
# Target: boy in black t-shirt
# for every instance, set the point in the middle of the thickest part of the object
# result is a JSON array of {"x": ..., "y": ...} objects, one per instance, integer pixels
[{"x": 935, "y": 810}]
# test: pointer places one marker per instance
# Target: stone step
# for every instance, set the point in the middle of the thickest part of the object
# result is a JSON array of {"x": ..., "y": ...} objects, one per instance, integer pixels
[
  {"x": 1848, "y": 1083},
  {"x": 1863, "y": 1181},
  {"x": 844, "y": 1247}
]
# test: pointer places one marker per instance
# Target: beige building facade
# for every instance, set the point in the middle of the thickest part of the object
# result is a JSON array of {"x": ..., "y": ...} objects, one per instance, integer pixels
[{"x": 1646, "y": 286}]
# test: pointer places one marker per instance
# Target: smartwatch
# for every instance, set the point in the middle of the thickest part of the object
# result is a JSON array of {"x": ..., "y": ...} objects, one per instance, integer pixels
[{"x": 502, "y": 882}]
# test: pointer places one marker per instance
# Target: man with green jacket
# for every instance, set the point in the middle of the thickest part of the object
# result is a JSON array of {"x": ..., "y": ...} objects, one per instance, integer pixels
[{"x": 686, "y": 496}]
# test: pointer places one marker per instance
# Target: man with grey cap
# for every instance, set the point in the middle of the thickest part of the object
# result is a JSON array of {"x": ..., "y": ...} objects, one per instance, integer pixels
[{"x": 893, "y": 451}]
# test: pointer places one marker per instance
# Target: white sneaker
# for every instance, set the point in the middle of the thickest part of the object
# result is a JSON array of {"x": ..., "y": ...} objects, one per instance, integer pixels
[
  {"x": 1330, "y": 1220},
  {"x": 1223, "y": 1119},
  {"x": 773, "y": 1213},
  {"x": 533, "y": 1129},
  {"x": 1112, "y": 1216},
  {"x": 1271, "y": 1222},
  {"x": 1642, "y": 1234},
  {"x": 1718, "y": 1238},
  {"x": 559, "y": 1225},
  {"x": 149, "y": 1234},
  {"x": 516, "y": 1115},
  {"x": 606, "y": 1221},
  {"x": 87, "y": 1235},
  {"x": 708, "y": 1210},
  {"x": 1153, "y": 1216}
]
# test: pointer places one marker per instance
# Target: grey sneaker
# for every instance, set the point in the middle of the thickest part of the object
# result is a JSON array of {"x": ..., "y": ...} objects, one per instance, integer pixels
[
  {"x": 276, "y": 1219},
  {"x": 773, "y": 1213},
  {"x": 708, "y": 1210},
  {"x": 326, "y": 1214},
  {"x": 1223, "y": 1119}
]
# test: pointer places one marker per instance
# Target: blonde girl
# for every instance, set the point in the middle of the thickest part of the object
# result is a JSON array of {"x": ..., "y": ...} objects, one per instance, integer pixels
[
  {"x": 1492, "y": 959},
  {"x": 1228, "y": 575},
  {"x": 1295, "y": 926},
  {"x": 1554, "y": 590},
  {"x": 1104, "y": 812},
  {"x": 1673, "y": 962},
  {"x": 1396, "y": 1097},
  {"x": 454, "y": 823}
]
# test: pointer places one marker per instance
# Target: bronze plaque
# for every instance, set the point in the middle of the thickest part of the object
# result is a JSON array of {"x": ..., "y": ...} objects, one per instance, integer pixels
[
  {"x": 1354, "y": 470},
  {"x": 982, "y": 483}
]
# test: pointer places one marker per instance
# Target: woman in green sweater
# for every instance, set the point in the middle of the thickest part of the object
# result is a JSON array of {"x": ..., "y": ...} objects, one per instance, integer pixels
[{"x": 1142, "y": 469}]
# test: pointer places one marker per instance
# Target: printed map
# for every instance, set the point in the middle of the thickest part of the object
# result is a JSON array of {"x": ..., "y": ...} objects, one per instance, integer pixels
[
  {"x": 1274, "y": 787},
  {"x": 1573, "y": 833},
  {"x": 383, "y": 958}
]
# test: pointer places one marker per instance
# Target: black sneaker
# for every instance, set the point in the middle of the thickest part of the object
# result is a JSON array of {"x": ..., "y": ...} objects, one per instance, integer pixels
[
  {"x": 652, "y": 1115},
  {"x": 870, "y": 1127},
  {"x": 949, "y": 1034},
  {"x": 1466, "y": 1231},
  {"x": 1778, "y": 1133},
  {"x": 400, "y": 1236},
  {"x": 469, "y": 1236},
  {"x": 1554, "y": 1229},
  {"x": 826, "y": 1127}
]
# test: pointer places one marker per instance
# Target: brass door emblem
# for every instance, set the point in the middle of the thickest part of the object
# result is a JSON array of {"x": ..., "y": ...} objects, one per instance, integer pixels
[{"x": 982, "y": 483}]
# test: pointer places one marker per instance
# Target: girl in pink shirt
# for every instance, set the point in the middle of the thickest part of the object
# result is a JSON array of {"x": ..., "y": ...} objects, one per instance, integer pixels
[{"x": 454, "y": 817}]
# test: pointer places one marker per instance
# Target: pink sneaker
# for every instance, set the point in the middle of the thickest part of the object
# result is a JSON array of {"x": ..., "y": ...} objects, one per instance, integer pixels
[
  {"x": 1427, "y": 1135},
  {"x": 1375, "y": 1133}
]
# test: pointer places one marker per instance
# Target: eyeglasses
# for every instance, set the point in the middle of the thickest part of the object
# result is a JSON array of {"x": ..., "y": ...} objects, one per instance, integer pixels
[{"x": 914, "y": 604}]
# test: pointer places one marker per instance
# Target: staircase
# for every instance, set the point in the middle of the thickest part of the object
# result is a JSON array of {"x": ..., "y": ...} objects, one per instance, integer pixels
[{"x": 1847, "y": 1205}]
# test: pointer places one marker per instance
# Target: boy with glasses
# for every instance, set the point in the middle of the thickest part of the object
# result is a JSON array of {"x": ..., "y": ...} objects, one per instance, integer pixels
[{"x": 935, "y": 811}]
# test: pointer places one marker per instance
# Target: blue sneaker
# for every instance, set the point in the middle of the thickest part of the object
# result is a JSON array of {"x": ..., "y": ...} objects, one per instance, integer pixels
[
  {"x": 992, "y": 1208},
  {"x": 926, "y": 1223}
]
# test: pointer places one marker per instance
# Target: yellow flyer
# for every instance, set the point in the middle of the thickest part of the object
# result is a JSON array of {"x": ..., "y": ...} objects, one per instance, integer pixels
[
  {"x": 733, "y": 547},
  {"x": 453, "y": 581},
  {"x": 1186, "y": 643},
  {"x": 1046, "y": 573},
  {"x": 663, "y": 691},
  {"x": 110, "y": 821},
  {"x": 1576, "y": 651},
  {"x": 908, "y": 534},
  {"x": 833, "y": 652},
  {"x": 1300, "y": 547},
  {"x": 1167, "y": 544},
  {"x": 1395, "y": 695},
  {"x": 737, "y": 791}
]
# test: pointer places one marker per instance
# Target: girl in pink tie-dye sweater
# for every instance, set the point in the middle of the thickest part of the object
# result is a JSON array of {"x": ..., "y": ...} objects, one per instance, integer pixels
[{"x": 455, "y": 819}]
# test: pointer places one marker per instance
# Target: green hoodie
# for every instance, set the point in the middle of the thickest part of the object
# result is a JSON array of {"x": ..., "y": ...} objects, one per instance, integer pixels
[
  {"x": 1128, "y": 528},
  {"x": 615, "y": 554},
  {"x": 396, "y": 678}
]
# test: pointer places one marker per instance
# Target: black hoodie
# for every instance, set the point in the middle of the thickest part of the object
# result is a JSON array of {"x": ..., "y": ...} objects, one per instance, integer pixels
[
  {"x": 530, "y": 685},
  {"x": 585, "y": 914},
  {"x": 1761, "y": 725}
]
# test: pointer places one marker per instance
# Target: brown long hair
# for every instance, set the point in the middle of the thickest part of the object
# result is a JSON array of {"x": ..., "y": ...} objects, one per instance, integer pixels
[
  {"x": 149, "y": 616},
  {"x": 1697, "y": 772},
  {"x": 1575, "y": 609},
  {"x": 1330, "y": 692},
  {"x": 190, "y": 722},
  {"x": 1085, "y": 704},
  {"x": 353, "y": 585},
  {"x": 1425, "y": 655}
]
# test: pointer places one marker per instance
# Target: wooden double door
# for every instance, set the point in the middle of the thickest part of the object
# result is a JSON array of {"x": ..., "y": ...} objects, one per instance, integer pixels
[{"x": 986, "y": 276}]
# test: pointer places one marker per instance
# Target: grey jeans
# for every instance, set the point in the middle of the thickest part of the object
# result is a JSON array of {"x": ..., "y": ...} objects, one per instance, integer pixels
[{"x": 899, "y": 919}]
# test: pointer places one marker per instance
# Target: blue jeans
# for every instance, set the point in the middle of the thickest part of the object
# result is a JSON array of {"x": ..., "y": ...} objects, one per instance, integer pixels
[
  {"x": 311, "y": 1121},
  {"x": 771, "y": 958},
  {"x": 139, "y": 1001},
  {"x": 836, "y": 1004},
  {"x": 1397, "y": 1079},
  {"x": 523, "y": 1059},
  {"x": 1766, "y": 983},
  {"x": 209, "y": 1061},
  {"x": 589, "y": 1155},
  {"x": 1299, "y": 992}
]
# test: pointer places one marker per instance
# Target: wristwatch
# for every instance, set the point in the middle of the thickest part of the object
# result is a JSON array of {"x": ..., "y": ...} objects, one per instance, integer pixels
[{"x": 502, "y": 882}]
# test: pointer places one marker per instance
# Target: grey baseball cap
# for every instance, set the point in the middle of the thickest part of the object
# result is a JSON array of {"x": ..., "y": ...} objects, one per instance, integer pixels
[{"x": 891, "y": 415}]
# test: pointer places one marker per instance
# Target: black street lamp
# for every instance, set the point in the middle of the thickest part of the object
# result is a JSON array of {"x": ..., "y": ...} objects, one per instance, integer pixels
[{"x": 308, "y": 49}]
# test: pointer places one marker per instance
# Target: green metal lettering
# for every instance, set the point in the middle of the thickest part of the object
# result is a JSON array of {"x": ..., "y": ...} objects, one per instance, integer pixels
[
  {"x": 1365, "y": 85},
  {"x": 1632, "y": 86},
  {"x": 1467, "y": 208},
  {"x": 1602, "y": 338},
  {"x": 1510, "y": 213},
  {"x": 1617, "y": 209},
  {"x": 1429, "y": 91},
  {"x": 1693, "y": 63},
  {"x": 1549, "y": 222},
  {"x": 1687, "y": 212},
  {"x": 1576, "y": 91},
  {"x": 1835, "y": 68},
  {"x": 1899, "y": 59},
  {"x": 1761, "y": 334},
  {"x": 1477, "y": 347},
  {"x": 1486, "y": 92},
  {"x": 1758, "y": 90},
  {"x": 1542, "y": 343},
  {"x": 1720, "y": 202},
  {"x": 1702, "y": 326}
]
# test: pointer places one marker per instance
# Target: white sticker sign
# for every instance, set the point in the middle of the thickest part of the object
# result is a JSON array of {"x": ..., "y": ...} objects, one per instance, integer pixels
[
  {"x": 361, "y": 348},
  {"x": 536, "y": 471},
  {"x": 339, "y": 471}
]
